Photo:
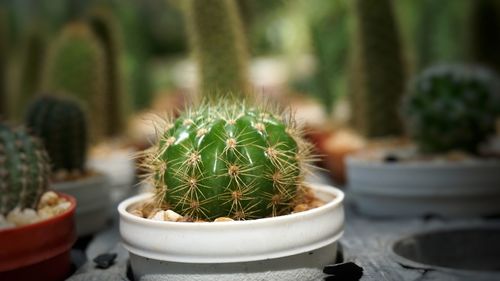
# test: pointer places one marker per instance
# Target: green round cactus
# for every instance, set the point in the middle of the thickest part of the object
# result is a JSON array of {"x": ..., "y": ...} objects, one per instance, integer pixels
[
  {"x": 24, "y": 169},
  {"x": 452, "y": 107},
  {"x": 228, "y": 160},
  {"x": 61, "y": 124}
]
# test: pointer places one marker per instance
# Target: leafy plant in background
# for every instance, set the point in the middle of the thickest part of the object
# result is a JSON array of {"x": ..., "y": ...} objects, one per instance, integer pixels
[
  {"x": 62, "y": 126},
  {"x": 228, "y": 160},
  {"x": 29, "y": 78},
  {"x": 485, "y": 33},
  {"x": 452, "y": 107},
  {"x": 24, "y": 169},
  {"x": 77, "y": 66},
  {"x": 377, "y": 73},
  {"x": 107, "y": 32},
  {"x": 219, "y": 47}
]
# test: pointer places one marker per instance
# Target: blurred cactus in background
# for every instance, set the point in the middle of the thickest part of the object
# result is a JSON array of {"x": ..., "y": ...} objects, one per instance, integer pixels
[
  {"x": 24, "y": 169},
  {"x": 33, "y": 53},
  {"x": 61, "y": 124},
  {"x": 3, "y": 63},
  {"x": 485, "y": 33},
  {"x": 219, "y": 46},
  {"x": 329, "y": 34},
  {"x": 452, "y": 107},
  {"x": 76, "y": 66},
  {"x": 107, "y": 32},
  {"x": 377, "y": 73}
]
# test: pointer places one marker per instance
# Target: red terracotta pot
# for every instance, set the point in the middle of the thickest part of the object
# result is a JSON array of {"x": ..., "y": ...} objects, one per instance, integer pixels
[{"x": 39, "y": 251}]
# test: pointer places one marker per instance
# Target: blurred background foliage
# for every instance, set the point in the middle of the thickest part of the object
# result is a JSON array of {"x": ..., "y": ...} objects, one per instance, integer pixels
[{"x": 309, "y": 38}]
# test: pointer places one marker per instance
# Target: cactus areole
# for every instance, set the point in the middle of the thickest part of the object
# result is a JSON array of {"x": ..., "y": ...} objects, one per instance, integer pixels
[{"x": 228, "y": 160}]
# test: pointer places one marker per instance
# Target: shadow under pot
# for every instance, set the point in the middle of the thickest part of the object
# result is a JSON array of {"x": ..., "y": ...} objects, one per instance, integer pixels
[{"x": 290, "y": 247}]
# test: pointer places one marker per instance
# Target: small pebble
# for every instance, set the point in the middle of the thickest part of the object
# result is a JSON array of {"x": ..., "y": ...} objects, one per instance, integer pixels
[
  {"x": 223, "y": 219},
  {"x": 22, "y": 217},
  {"x": 300, "y": 208},
  {"x": 105, "y": 260},
  {"x": 4, "y": 224},
  {"x": 49, "y": 198},
  {"x": 172, "y": 216},
  {"x": 158, "y": 216}
]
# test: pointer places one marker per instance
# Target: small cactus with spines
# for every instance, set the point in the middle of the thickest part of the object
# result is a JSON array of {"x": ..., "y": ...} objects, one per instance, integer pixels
[
  {"x": 62, "y": 126},
  {"x": 76, "y": 66},
  {"x": 452, "y": 107},
  {"x": 228, "y": 160},
  {"x": 24, "y": 169}
]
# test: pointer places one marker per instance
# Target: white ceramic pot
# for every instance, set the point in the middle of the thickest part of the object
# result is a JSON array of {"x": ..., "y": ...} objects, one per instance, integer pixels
[
  {"x": 92, "y": 196},
  {"x": 291, "y": 247},
  {"x": 119, "y": 166},
  {"x": 446, "y": 188}
]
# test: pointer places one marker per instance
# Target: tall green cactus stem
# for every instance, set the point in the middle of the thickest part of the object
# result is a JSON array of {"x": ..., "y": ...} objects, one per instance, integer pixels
[
  {"x": 106, "y": 30},
  {"x": 485, "y": 30},
  {"x": 31, "y": 67},
  {"x": 76, "y": 66},
  {"x": 216, "y": 36},
  {"x": 380, "y": 78},
  {"x": 3, "y": 63},
  {"x": 452, "y": 107},
  {"x": 228, "y": 160},
  {"x": 24, "y": 169},
  {"x": 61, "y": 125}
]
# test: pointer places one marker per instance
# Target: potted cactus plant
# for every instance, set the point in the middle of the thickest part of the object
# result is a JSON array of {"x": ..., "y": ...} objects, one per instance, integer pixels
[
  {"x": 228, "y": 181},
  {"x": 36, "y": 226},
  {"x": 61, "y": 124},
  {"x": 450, "y": 113}
]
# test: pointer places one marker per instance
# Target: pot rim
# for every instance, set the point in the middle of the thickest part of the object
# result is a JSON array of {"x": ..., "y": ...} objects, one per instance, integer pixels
[
  {"x": 161, "y": 240},
  {"x": 354, "y": 161}
]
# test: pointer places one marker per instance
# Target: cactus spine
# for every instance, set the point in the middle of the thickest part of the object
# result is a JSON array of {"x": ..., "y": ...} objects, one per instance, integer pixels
[
  {"x": 61, "y": 125},
  {"x": 24, "y": 169},
  {"x": 452, "y": 107},
  {"x": 228, "y": 160},
  {"x": 378, "y": 81},
  {"x": 76, "y": 67},
  {"x": 106, "y": 30},
  {"x": 216, "y": 37}
]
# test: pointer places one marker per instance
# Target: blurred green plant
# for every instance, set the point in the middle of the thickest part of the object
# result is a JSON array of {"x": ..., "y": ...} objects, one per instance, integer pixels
[
  {"x": 30, "y": 68},
  {"x": 377, "y": 73},
  {"x": 219, "y": 47},
  {"x": 108, "y": 33},
  {"x": 76, "y": 66},
  {"x": 3, "y": 64},
  {"x": 485, "y": 33},
  {"x": 452, "y": 107}
]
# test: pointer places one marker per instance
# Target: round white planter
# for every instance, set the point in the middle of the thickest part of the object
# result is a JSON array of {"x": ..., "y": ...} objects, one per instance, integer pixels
[
  {"x": 291, "y": 247},
  {"x": 92, "y": 208},
  {"x": 446, "y": 188},
  {"x": 119, "y": 166}
]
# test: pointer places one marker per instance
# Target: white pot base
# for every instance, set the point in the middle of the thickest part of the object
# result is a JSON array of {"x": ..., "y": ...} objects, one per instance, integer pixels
[{"x": 305, "y": 267}]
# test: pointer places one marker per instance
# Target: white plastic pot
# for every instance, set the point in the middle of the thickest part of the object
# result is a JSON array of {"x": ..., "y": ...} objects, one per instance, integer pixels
[
  {"x": 291, "y": 247},
  {"x": 119, "y": 166},
  {"x": 403, "y": 189},
  {"x": 92, "y": 196}
]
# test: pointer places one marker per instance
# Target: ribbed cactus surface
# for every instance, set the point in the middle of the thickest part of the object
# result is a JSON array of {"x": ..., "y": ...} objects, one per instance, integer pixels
[
  {"x": 452, "y": 107},
  {"x": 217, "y": 39},
  {"x": 76, "y": 66},
  {"x": 61, "y": 124},
  {"x": 24, "y": 169},
  {"x": 377, "y": 82},
  {"x": 228, "y": 160}
]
